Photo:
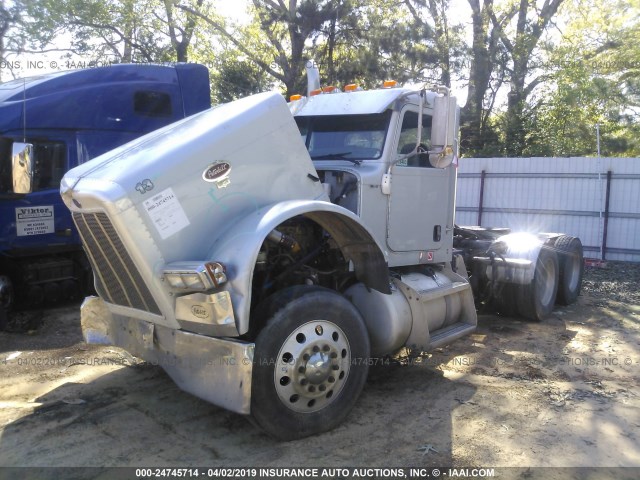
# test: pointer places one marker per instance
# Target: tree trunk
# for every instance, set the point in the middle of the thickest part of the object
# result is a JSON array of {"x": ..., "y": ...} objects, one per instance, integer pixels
[
  {"x": 129, "y": 32},
  {"x": 441, "y": 36},
  {"x": 472, "y": 135},
  {"x": 515, "y": 135},
  {"x": 529, "y": 30}
]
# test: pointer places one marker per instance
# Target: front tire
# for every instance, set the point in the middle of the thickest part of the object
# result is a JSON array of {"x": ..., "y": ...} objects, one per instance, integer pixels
[{"x": 310, "y": 364}]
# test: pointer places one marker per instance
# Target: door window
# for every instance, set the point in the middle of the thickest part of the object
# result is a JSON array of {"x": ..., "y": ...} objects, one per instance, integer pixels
[
  {"x": 50, "y": 161},
  {"x": 409, "y": 137}
]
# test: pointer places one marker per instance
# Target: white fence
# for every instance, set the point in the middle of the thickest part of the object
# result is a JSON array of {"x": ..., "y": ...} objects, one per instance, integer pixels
[{"x": 597, "y": 200}]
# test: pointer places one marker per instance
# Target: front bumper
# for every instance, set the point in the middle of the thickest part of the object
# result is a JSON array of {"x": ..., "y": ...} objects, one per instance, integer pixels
[{"x": 214, "y": 369}]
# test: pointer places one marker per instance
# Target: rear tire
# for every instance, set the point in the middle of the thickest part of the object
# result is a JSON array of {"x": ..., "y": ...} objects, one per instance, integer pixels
[
  {"x": 536, "y": 300},
  {"x": 310, "y": 363},
  {"x": 571, "y": 265}
]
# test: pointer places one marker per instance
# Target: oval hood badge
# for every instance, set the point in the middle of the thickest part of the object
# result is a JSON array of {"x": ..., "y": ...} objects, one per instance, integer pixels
[
  {"x": 218, "y": 173},
  {"x": 199, "y": 311}
]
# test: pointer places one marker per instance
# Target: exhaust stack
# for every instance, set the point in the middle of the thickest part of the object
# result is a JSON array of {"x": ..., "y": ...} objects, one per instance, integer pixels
[{"x": 313, "y": 77}]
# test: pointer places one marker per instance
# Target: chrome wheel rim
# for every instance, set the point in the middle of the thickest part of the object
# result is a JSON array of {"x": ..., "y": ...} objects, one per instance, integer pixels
[{"x": 312, "y": 366}]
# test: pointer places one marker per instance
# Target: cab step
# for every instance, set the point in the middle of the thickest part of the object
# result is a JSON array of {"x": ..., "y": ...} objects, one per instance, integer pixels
[{"x": 450, "y": 333}]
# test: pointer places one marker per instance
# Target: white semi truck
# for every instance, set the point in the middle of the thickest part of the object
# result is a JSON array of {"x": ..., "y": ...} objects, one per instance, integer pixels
[{"x": 263, "y": 252}]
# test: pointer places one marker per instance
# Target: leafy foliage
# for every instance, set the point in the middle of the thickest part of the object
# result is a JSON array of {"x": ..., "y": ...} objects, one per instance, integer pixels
[
  {"x": 12, "y": 32},
  {"x": 118, "y": 30},
  {"x": 596, "y": 73},
  {"x": 540, "y": 74}
]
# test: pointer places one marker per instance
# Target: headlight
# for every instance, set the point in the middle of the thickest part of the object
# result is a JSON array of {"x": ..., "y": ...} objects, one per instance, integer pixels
[{"x": 195, "y": 276}]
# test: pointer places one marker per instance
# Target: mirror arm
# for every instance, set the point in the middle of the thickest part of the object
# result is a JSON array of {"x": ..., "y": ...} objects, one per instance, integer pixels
[
  {"x": 421, "y": 107},
  {"x": 446, "y": 143},
  {"x": 400, "y": 158}
]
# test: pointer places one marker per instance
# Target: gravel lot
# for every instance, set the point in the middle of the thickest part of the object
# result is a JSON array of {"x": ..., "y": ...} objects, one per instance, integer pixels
[
  {"x": 561, "y": 393},
  {"x": 616, "y": 281}
]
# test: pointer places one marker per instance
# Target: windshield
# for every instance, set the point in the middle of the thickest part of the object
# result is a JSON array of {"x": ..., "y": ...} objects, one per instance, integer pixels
[
  {"x": 350, "y": 137},
  {"x": 16, "y": 88}
]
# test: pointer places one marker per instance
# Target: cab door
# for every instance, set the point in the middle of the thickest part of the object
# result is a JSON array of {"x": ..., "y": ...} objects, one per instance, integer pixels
[{"x": 418, "y": 203}]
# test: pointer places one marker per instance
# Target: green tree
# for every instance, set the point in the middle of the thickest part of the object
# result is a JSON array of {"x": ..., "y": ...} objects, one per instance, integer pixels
[
  {"x": 350, "y": 40},
  {"x": 276, "y": 40},
  {"x": 596, "y": 80},
  {"x": 521, "y": 43},
  {"x": 373, "y": 42},
  {"x": 119, "y": 30},
  {"x": 12, "y": 40},
  {"x": 234, "y": 76},
  {"x": 487, "y": 60},
  {"x": 431, "y": 19}
]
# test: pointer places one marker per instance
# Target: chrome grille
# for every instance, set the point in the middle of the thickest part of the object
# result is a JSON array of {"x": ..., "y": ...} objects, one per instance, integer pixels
[{"x": 117, "y": 279}]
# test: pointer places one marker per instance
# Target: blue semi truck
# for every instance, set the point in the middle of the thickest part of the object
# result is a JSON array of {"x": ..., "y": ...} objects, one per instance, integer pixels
[{"x": 61, "y": 120}]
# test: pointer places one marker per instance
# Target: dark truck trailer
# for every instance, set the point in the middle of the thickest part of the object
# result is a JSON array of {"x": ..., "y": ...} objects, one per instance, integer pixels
[{"x": 62, "y": 120}]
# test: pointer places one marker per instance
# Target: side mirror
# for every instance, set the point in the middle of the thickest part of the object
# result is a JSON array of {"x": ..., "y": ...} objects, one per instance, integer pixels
[
  {"x": 443, "y": 131},
  {"x": 22, "y": 167}
]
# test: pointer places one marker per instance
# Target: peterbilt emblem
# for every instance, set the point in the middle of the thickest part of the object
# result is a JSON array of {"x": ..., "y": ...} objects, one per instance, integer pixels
[
  {"x": 218, "y": 173},
  {"x": 199, "y": 311}
]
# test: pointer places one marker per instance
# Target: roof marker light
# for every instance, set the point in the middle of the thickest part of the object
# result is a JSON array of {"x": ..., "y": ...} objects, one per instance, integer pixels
[
  {"x": 330, "y": 89},
  {"x": 389, "y": 84},
  {"x": 315, "y": 92},
  {"x": 352, "y": 87},
  {"x": 295, "y": 97}
]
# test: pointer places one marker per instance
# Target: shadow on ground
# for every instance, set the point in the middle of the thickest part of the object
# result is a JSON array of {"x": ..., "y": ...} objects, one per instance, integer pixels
[{"x": 137, "y": 416}]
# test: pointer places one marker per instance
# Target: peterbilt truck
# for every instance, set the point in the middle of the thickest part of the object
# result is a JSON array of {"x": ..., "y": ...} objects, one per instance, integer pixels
[
  {"x": 278, "y": 248},
  {"x": 61, "y": 120}
]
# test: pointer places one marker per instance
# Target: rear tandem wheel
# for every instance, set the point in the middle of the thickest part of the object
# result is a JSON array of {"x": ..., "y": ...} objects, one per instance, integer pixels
[
  {"x": 571, "y": 263},
  {"x": 537, "y": 299}
]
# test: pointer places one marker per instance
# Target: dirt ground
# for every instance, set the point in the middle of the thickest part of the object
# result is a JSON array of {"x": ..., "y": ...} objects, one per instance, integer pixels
[{"x": 562, "y": 393}]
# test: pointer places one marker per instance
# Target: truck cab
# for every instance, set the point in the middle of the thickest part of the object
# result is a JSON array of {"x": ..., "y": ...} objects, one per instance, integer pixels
[
  {"x": 359, "y": 138},
  {"x": 63, "y": 120}
]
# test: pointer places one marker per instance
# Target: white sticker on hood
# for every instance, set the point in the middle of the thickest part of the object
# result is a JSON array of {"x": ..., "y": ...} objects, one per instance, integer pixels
[
  {"x": 34, "y": 220},
  {"x": 166, "y": 213}
]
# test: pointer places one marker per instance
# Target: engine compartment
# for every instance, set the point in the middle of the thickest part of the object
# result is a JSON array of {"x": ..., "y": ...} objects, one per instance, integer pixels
[{"x": 300, "y": 252}]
